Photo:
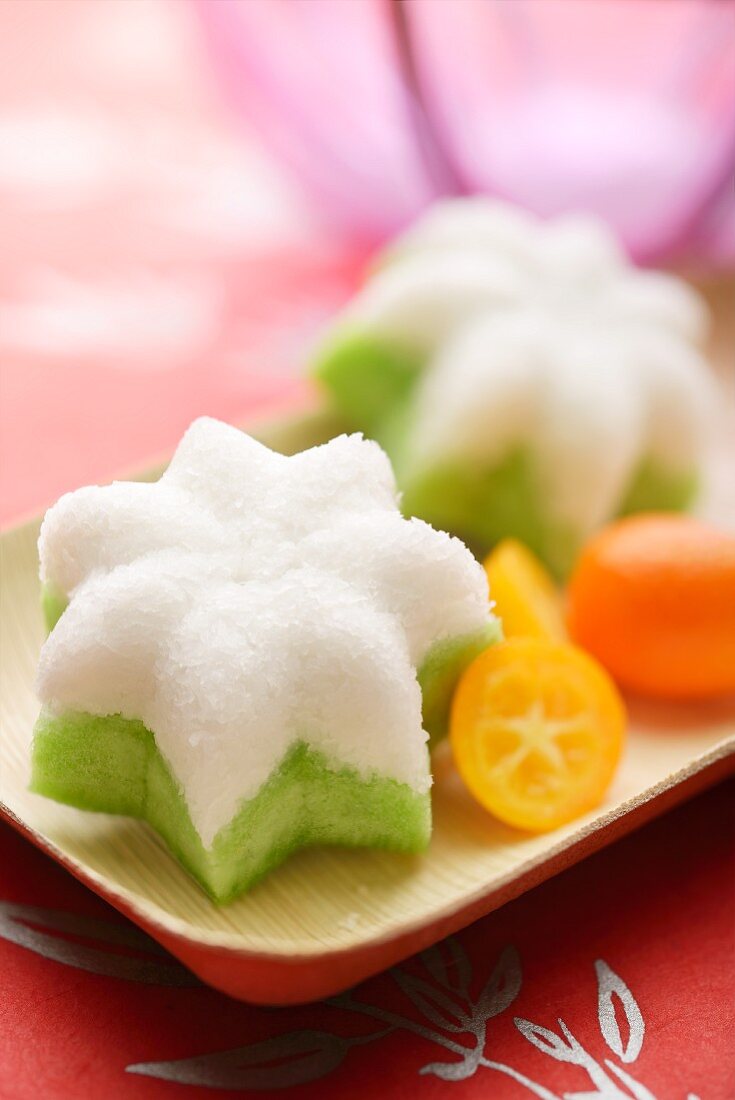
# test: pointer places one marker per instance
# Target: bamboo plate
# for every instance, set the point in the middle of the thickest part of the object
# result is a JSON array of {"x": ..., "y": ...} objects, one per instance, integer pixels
[{"x": 328, "y": 918}]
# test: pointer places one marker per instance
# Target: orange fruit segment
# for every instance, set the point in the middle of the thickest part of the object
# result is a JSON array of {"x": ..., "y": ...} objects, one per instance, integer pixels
[
  {"x": 537, "y": 729},
  {"x": 526, "y": 598}
]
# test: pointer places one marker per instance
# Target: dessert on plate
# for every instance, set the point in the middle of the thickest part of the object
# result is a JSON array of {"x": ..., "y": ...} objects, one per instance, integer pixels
[
  {"x": 524, "y": 378},
  {"x": 249, "y": 653}
]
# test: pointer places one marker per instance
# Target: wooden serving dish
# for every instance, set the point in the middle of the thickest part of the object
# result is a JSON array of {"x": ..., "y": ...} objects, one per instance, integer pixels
[{"x": 328, "y": 918}]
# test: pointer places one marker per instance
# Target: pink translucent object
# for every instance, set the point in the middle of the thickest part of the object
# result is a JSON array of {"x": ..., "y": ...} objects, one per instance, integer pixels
[{"x": 626, "y": 110}]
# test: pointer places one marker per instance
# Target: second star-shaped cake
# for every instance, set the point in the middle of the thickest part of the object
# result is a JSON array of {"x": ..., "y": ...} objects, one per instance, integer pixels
[
  {"x": 249, "y": 652},
  {"x": 525, "y": 379}
]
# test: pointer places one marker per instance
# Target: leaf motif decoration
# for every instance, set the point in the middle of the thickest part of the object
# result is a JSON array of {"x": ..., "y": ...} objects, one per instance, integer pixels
[
  {"x": 548, "y": 1042},
  {"x": 453, "y": 1071},
  {"x": 449, "y": 965},
  {"x": 438, "y": 1006},
  {"x": 502, "y": 987},
  {"x": 277, "y": 1063},
  {"x": 610, "y": 986},
  {"x": 434, "y": 962},
  {"x": 157, "y": 968},
  {"x": 635, "y": 1088},
  {"x": 461, "y": 965}
]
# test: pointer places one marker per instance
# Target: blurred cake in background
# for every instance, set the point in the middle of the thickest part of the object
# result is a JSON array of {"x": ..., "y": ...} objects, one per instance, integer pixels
[{"x": 524, "y": 377}]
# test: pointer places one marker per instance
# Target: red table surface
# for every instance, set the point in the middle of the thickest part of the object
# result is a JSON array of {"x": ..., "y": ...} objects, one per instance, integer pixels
[{"x": 613, "y": 980}]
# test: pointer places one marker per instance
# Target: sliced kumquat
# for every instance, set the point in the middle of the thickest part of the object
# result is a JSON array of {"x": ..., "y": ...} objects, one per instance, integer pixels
[
  {"x": 537, "y": 729},
  {"x": 526, "y": 598}
]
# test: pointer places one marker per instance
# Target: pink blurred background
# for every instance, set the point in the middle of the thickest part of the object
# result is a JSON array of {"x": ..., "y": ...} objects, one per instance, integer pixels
[
  {"x": 154, "y": 264},
  {"x": 190, "y": 188},
  {"x": 625, "y": 110}
]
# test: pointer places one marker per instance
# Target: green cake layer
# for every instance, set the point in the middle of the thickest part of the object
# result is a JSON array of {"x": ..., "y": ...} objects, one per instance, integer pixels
[
  {"x": 479, "y": 503},
  {"x": 370, "y": 381},
  {"x": 438, "y": 675},
  {"x": 654, "y": 489},
  {"x": 112, "y": 764},
  {"x": 483, "y": 505},
  {"x": 53, "y": 605}
]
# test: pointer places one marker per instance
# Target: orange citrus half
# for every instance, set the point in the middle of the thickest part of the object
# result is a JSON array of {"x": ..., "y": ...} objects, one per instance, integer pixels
[{"x": 537, "y": 729}]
